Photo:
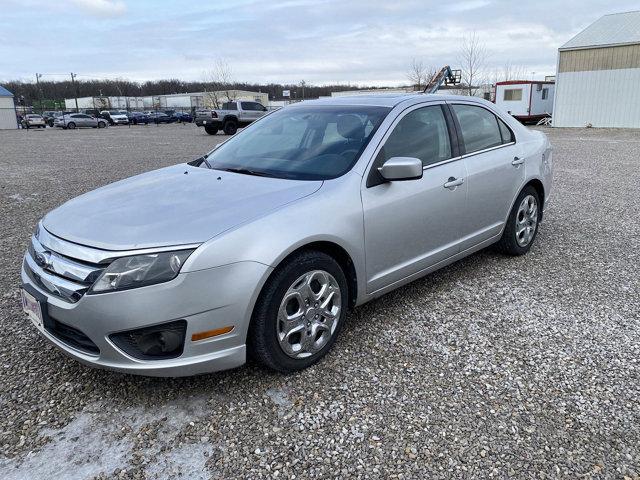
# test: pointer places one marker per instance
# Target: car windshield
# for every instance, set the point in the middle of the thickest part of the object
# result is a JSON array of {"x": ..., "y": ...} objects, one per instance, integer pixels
[
  {"x": 114, "y": 112},
  {"x": 301, "y": 142}
]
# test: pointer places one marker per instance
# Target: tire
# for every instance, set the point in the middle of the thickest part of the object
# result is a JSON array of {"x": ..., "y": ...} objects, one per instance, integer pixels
[
  {"x": 210, "y": 129},
  {"x": 102, "y": 124},
  {"x": 230, "y": 127},
  {"x": 71, "y": 125},
  {"x": 265, "y": 339},
  {"x": 522, "y": 225}
]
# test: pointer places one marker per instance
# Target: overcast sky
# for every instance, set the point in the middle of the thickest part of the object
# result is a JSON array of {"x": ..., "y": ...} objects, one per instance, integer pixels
[{"x": 333, "y": 41}]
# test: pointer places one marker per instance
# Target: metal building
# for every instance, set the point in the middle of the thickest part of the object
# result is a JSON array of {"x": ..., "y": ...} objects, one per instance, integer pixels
[
  {"x": 8, "y": 119},
  {"x": 599, "y": 73}
]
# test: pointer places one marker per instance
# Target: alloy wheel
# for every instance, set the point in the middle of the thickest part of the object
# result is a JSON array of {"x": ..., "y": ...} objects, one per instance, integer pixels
[
  {"x": 526, "y": 220},
  {"x": 309, "y": 314}
]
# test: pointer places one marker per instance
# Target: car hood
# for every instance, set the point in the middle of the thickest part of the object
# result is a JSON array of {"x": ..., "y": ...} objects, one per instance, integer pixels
[
  {"x": 176, "y": 205},
  {"x": 119, "y": 117}
]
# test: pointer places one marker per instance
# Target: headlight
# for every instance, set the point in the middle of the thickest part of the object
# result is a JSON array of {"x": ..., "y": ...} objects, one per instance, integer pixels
[{"x": 140, "y": 270}]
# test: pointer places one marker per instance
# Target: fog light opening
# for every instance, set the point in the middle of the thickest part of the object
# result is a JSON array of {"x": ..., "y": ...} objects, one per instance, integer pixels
[{"x": 158, "y": 342}]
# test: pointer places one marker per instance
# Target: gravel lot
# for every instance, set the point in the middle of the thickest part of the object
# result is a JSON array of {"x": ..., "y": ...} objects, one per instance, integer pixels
[{"x": 493, "y": 367}]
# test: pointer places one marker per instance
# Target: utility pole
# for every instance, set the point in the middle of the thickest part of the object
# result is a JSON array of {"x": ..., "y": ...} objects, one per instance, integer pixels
[
  {"x": 75, "y": 89},
  {"x": 38, "y": 76}
]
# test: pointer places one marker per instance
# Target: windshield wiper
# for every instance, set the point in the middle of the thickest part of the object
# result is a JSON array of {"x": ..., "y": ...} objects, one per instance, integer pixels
[
  {"x": 245, "y": 171},
  {"x": 199, "y": 161}
]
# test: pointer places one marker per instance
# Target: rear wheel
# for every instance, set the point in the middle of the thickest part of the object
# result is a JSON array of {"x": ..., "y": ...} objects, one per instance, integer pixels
[
  {"x": 299, "y": 313},
  {"x": 230, "y": 127},
  {"x": 210, "y": 129},
  {"x": 71, "y": 125},
  {"x": 102, "y": 124},
  {"x": 522, "y": 225}
]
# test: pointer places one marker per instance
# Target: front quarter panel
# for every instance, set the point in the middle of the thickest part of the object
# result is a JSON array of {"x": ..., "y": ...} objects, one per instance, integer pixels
[{"x": 332, "y": 214}]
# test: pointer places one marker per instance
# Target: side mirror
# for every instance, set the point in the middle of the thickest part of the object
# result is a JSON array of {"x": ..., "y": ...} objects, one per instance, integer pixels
[
  {"x": 264, "y": 109},
  {"x": 401, "y": 168}
]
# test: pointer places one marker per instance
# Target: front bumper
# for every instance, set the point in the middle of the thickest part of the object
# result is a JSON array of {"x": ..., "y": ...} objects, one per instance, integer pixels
[{"x": 207, "y": 299}]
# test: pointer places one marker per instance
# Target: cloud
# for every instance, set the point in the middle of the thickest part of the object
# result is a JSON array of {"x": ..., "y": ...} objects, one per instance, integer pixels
[{"x": 101, "y": 7}]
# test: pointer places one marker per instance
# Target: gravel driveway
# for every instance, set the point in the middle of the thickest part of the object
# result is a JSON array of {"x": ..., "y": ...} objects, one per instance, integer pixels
[{"x": 493, "y": 367}]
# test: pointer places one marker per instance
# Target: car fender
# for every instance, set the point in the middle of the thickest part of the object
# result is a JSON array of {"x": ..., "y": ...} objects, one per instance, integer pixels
[
  {"x": 229, "y": 117},
  {"x": 274, "y": 236}
]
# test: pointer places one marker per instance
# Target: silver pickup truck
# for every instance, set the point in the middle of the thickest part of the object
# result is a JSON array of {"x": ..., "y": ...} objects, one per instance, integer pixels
[{"x": 233, "y": 115}]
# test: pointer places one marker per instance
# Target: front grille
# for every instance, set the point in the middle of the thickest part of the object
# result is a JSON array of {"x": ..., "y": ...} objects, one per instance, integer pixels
[
  {"x": 65, "y": 277},
  {"x": 72, "y": 337}
]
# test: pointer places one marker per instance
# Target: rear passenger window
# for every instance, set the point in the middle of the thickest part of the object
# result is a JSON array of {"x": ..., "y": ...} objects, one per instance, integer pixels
[
  {"x": 478, "y": 126},
  {"x": 507, "y": 134},
  {"x": 421, "y": 134}
]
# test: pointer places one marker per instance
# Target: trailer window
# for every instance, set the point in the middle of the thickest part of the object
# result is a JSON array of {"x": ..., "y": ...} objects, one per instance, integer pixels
[
  {"x": 545, "y": 93},
  {"x": 512, "y": 95}
]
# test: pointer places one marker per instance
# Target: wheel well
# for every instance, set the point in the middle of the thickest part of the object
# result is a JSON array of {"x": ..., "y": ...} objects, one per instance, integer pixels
[
  {"x": 230, "y": 118},
  {"x": 341, "y": 256},
  {"x": 537, "y": 184}
]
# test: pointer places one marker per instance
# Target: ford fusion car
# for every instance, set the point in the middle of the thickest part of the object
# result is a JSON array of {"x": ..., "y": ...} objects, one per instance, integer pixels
[{"x": 262, "y": 245}]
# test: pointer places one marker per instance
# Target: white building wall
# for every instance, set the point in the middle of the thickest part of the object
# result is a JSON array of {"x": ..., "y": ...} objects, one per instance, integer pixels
[
  {"x": 602, "y": 98},
  {"x": 7, "y": 114}
]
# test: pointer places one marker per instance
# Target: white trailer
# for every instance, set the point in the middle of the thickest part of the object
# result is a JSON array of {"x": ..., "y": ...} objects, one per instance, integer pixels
[{"x": 526, "y": 100}]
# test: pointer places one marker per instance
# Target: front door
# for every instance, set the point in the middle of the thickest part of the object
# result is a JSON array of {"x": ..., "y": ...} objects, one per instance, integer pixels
[{"x": 413, "y": 224}]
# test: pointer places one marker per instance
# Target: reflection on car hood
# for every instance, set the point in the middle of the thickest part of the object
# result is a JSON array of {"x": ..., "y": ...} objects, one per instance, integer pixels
[{"x": 172, "y": 206}]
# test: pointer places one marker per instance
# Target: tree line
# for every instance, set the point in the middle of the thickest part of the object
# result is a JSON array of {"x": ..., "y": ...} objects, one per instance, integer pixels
[{"x": 31, "y": 93}]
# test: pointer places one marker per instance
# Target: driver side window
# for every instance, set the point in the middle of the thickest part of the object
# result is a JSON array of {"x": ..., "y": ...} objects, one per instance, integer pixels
[{"x": 421, "y": 134}]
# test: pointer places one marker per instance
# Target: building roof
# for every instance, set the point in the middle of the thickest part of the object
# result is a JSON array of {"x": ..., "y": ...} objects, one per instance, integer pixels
[
  {"x": 4, "y": 92},
  {"x": 613, "y": 29}
]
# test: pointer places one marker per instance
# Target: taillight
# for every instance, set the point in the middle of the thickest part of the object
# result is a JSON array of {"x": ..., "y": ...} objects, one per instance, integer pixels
[{"x": 214, "y": 114}]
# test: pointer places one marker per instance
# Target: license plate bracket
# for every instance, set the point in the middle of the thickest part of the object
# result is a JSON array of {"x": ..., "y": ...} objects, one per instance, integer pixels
[
  {"x": 31, "y": 306},
  {"x": 39, "y": 315}
]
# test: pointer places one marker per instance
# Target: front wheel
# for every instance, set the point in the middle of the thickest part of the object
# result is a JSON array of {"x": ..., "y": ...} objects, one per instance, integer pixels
[
  {"x": 71, "y": 125},
  {"x": 299, "y": 312},
  {"x": 210, "y": 129},
  {"x": 522, "y": 224}
]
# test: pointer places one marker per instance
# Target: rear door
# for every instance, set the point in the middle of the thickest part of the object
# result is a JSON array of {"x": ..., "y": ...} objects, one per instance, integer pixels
[
  {"x": 411, "y": 225},
  {"x": 495, "y": 171}
]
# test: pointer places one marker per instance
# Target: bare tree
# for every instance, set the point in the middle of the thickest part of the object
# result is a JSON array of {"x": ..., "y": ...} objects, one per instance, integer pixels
[
  {"x": 472, "y": 58},
  {"x": 420, "y": 75},
  {"x": 513, "y": 72},
  {"x": 220, "y": 82}
]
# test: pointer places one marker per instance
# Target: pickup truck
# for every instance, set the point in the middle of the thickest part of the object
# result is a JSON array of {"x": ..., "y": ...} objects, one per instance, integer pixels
[{"x": 233, "y": 115}]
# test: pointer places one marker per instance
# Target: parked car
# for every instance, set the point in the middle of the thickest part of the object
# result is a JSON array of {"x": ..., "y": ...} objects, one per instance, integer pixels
[
  {"x": 264, "y": 243},
  {"x": 32, "y": 120},
  {"x": 49, "y": 117},
  {"x": 160, "y": 117},
  {"x": 232, "y": 116},
  {"x": 138, "y": 118},
  {"x": 182, "y": 117},
  {"x": 79, "y": 120},
  {"x": 115, "y": 117}
]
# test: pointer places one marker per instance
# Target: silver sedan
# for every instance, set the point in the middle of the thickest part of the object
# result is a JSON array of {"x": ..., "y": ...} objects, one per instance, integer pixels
[
  {"x": 78, "y": 120},
  {"x": 262, "y": 246}
]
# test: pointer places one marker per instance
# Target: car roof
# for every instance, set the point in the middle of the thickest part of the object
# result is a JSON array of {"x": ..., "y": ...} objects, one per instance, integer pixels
[{"x": 386, "y": 99}]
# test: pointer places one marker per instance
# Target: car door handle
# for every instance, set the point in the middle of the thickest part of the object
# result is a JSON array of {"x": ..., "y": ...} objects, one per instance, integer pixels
[
  {"x": 517, "y": 161},
  {"x": 453, "y": 182}
]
